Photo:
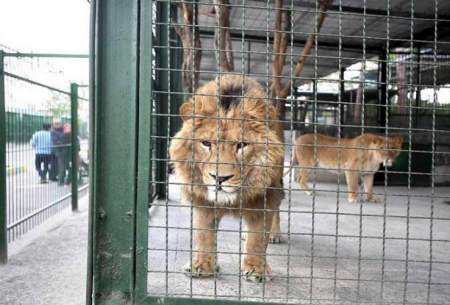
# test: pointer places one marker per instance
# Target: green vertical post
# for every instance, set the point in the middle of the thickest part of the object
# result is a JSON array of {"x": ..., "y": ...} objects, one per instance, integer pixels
[
  {"x": 143, "y": 157},
  {"x": 3, "y": 224},
  {"x": 119, "y": 147},
  {"x": 74, "y": 143}
]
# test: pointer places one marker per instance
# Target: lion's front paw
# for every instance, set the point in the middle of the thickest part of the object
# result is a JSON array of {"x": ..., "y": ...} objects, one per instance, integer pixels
[
  {"x": 255, "y": 269},
  {"x": 309, "y": 192},
  {"x": 372, "y": 200},
  {"x": 352, "y": 199},
  {"x": 275, "y": 238},
  {"x": 201, "y": 267}
]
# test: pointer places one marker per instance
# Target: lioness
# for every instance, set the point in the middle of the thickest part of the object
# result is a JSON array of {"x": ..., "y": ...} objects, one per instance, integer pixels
[
  {"x": 229, "y": 158},
  {"x": 360, "y": 155}
]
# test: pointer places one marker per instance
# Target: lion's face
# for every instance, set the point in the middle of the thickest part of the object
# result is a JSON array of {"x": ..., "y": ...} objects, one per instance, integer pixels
[
  {"x": 388, "y": 150},
  {"x": 236, "y": 155},
  {"x": 229, "y": 159}
]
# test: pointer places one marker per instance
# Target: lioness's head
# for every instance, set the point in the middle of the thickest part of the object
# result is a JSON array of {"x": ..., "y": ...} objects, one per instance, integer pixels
[
  {"x": 388, "y": 149},
  {"x": 227, "y": 146}
]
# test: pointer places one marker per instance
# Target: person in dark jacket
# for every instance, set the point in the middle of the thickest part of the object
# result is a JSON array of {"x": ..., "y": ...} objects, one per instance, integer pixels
[
  {"x": 59, "y": 149},
  {"x": 56, "y": 128}
]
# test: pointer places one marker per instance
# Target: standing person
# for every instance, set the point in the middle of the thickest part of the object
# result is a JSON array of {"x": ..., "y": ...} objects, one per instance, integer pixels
[
  {"x": 67, "y": 140},
  {"x": 42, "y": 144},
  {"x": 57, "y": 136},
  {"x": 53, "y": 173}
]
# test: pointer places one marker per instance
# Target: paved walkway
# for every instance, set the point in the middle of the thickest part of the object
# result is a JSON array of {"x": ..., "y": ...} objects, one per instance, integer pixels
[{"x": 48, "y": 265}]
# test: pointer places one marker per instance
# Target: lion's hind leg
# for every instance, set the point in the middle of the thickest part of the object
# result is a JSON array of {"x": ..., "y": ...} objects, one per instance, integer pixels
[
  {"x": 303, "y": 177},
  {"x": 368, "y": 187}
]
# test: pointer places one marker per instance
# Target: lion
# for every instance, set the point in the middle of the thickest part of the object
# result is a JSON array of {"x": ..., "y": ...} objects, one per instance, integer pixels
[
  {"x": 229, "y": 158},
  {"x": 360, "y": 155}
]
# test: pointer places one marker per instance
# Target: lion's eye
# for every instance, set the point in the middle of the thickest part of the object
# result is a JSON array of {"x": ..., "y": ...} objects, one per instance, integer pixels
[
  {"x": 241, "y": 145},
  {"x": 206, "y": 143}
]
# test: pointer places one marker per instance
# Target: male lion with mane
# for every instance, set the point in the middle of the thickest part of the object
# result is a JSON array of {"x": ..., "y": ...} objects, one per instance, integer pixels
[
  {"x": 229, "y": 158},
  {"x": 360, "y": 155}
]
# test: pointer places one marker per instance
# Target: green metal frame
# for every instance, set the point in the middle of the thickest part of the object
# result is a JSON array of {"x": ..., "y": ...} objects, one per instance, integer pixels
[
  {"x": 121, "y": 113},
  {"x": 3, "y": 221},
  {"x": 4, "y": 226},
  {"x": 121, "y": 97}
]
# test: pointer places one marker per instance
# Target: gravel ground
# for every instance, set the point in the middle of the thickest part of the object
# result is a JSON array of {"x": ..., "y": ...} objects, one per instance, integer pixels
[{"x": 48, "y": 265}]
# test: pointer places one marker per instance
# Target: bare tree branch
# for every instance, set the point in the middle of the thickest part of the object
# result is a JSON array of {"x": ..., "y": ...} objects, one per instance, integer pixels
[{"x": 324, "y": 5}]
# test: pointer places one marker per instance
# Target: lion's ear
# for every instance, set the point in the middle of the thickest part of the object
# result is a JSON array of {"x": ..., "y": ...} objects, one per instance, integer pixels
[
  {"x": 186, "y": 110},
  {"x": 398, "y": 140},
  {"x": 379, "y": 142}
]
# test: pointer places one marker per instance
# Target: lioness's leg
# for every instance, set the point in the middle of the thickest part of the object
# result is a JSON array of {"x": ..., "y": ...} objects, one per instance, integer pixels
[
  {"x": 303, "y": 176},
  {"x": 368, "y": 187},
  {"x": 254, "y": 265},
  {"x": 352, "y": 185},
  {"x": 275, "y": 236},
  {"x": 204, "y": 261}
]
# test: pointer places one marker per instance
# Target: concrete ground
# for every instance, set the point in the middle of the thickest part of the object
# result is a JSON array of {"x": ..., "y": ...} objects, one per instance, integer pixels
[
  {"x": 396, "y": 251},
  {"x": 47, "y": 266},
  {"x": 312, "y": 265}
]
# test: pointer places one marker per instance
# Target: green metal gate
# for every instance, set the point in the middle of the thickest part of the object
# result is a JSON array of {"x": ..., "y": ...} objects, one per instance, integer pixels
[
  {"x": 136, "y": 91},
  {"x": 26, "y": 202}
]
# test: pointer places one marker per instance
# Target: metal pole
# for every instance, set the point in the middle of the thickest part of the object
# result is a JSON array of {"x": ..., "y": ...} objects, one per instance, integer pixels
[
  {"x": 418, "y": 88},
  {"x": 342, "y": 98},
  {"x": 114, "y": 147},
  {"x": 3, "y": 224},
  {"x": 74, "y": 143},
  {"x": 383, "y": 89}
]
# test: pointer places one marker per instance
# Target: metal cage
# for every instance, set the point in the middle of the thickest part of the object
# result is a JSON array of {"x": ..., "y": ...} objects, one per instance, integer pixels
[{"x": 317, "y": 73}]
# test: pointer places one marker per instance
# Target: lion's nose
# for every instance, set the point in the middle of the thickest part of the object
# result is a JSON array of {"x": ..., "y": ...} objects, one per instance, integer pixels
[{"x": 221, "y": 179}]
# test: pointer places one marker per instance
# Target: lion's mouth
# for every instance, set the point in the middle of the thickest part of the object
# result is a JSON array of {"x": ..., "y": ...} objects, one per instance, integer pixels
[
  {"x": 222, "y": 194},
  {"x": 221, "y": 189}
]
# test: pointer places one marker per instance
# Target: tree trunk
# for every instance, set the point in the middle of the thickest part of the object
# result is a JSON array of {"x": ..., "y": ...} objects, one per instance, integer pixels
[
  {"x": 223, "y": 37},
  {"x": 282, "y": 27},
  {"x": 190, "y": 38},
  {"x": 402, "y": 89},
  {"x": 357, "y": 106}
]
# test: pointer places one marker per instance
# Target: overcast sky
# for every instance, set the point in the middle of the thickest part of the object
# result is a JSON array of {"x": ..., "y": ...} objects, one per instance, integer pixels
[
  {"x": 44, "y": 26},
  {"x": 53, "y": 26}
]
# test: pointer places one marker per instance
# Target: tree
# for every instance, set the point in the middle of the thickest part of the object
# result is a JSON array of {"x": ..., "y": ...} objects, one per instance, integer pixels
[{"x": 192, "y": 46}]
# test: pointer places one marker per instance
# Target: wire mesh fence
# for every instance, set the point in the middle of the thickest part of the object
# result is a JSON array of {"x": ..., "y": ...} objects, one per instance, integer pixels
[
  {"x": 41, "y": 142},
  {"x": 322, "y": 128}
]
